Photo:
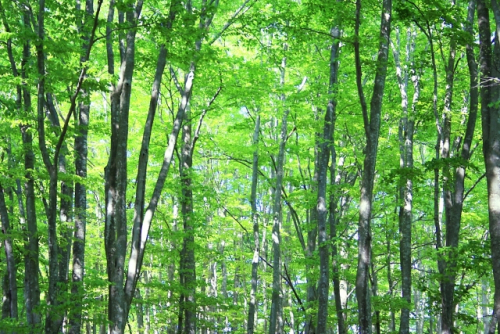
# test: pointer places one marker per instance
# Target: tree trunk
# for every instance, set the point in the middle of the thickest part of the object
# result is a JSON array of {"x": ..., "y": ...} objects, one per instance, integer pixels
[
  {"x": 276, "y": 319},
  {"x": 9, "y": 307},
  {"x": 81, "y": 153},
  {"x": 255, "y": 219},
  {"x": 406, "y": 131},
  {"x": 454, "y": 180},
  {"x": 9, "y": 304},
  {"x": 336, "y": 211},
  {"x": 372, "y": 130},
  {"x": 446, "y": 263},
  {"x": 116, "y": 178},
  {"x": 188, "y": 264},
  {"x": 323, "y": 159},
  {"x": 31, "y": 255},
  {"x": 490, "y": 117}
]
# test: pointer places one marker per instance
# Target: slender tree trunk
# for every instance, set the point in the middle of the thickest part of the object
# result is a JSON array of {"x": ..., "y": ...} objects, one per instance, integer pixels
[
  {"x": 255, "y": 219},
  {"x": 339, "y": 286},
  {"x": 9, "y": 307},
  {"x": 406, "y": 130},
  {"x": 490, "y": 117},
  {"x": 312, "y": 240},
  {"x": 81, "y": 153},
  {"x": 324, "y": 155},
  {"x": 188, "y": 306},
  {"x": 454, "y": 181},
  {"x": 139, "y": 311},
  {"x": 485, "y": 312},
  {"x": 31, "y": 255},
  {"x": 54, "y": 317},
  {"x": 275, "y": 319},
  {"x": 372, "y": 130},
  {"x": 116, "y": 177},
  {"x": 447, "y": 265}
]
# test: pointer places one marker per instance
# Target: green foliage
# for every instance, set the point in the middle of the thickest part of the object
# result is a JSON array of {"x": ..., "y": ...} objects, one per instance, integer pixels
[{"x": 246, "y": 62}]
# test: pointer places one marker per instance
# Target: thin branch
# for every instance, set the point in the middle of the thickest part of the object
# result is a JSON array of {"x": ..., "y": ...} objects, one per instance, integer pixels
[
  {"x": 200, "y": 122},
  {"x": 359, "y": 75},
  {"x": 289, "y": 280},
  {"x": 176, "y": 82},
  {"x": 235, "y": 219},
  {"x": 78, "y": 86},
  {"x": 474, "y": 185},
  {"x": 242, "y": 9}
]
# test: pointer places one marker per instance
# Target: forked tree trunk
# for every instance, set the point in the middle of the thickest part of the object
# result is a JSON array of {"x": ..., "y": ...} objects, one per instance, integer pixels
[{"x": 116, "y": 176}]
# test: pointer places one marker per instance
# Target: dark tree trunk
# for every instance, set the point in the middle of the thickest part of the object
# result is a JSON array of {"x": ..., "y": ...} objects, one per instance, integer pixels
[
  {"x": 372, "y": 130},
  {"x": 81, "y": 152},
  {"x": 188, "y": 264},
  {"x": 31, "y": 283},
  {"x": 10, "y": 300},
  {"x": 325, "y": 150},
  {"x": 116, "y": 177},
  {"x": 490, "y": 119},
  {"x": 9, "y": 307}
]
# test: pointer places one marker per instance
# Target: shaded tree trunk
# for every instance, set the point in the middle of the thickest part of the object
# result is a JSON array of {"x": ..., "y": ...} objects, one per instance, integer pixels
[
  {"x": 9, "y": 305},
  {"x": 372, "y": 129},
  {"x": 324, "y": 155},
  {"x": 116, "y": 178},
  {"x": 490, "y": 117},
  {"x": 81, "y": 152},
  {"x": 187, "y": 259},
  {"x": 10, "y": 301}
]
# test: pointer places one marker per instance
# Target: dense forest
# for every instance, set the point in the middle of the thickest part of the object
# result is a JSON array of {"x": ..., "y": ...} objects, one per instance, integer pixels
[{"x": 250, "y": 166}]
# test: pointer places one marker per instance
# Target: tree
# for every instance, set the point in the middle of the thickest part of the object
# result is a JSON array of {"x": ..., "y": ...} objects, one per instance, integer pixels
[
  {"x": 371, "y": 121},
  {"x": 489, "y": 118}
]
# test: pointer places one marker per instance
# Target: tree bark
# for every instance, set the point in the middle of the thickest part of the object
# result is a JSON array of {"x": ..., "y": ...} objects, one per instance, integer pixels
[
  {"x": 31, "y": 280},
  {"x": 490, "y": 119},
  {"x": 10, "y": 293},
  {"x": 372, "y": 130},
  {"x": 116, "y": 178},
  {"x": 255, "y": 219},
  {"x": 454, "y": 179},
  {"x": 325, "y": 148},
  {"x": 276, "y": 318},
  {"x": 188, "y": 262},
  {"x": 406, "y": 131},
  {"x": 81, "y": 152},
  {"x": 10, "y": 301},
  {"x": 338, "y": 206}
]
